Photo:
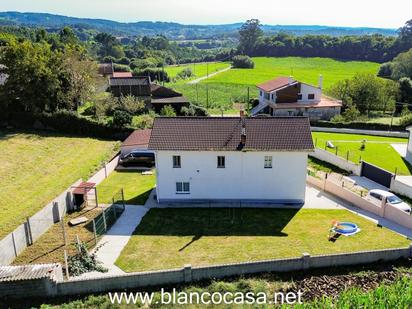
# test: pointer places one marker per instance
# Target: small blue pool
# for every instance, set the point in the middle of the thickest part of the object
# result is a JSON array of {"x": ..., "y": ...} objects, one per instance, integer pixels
[{"x": 346, "y": 228}]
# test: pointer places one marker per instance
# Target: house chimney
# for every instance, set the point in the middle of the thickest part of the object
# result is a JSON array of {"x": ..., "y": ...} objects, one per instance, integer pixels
[
  {"x": 290, "y": 80},
  {"x": 320, "y": 81},
  {"x": 243, "y": 133}
]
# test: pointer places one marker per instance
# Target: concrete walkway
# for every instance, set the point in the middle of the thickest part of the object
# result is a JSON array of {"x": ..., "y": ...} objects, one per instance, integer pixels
[
  {"x": 401, "y": 149},
  {"x": 113, "y": 242},
  {"x": 198, "y": 80}
]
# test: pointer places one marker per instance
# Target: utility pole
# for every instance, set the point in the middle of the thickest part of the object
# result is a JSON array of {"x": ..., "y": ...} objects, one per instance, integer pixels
[{"x": 163, "y": 74}]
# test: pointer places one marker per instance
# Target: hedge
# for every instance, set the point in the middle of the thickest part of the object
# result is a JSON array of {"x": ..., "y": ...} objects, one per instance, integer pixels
[
  {"x": 65, "y": 122},
  {"x": 357, "y": 125}
]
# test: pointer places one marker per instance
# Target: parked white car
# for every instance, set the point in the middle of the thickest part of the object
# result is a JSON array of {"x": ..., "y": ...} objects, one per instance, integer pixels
[{"x": 377, "y": 196}]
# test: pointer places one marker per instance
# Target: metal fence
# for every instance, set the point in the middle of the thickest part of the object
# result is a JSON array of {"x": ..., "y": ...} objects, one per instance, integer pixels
[{"x": 103, "y": 222}]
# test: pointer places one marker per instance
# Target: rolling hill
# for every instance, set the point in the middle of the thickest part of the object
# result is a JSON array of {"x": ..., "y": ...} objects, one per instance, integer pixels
[{"x": 171, "y": 30}]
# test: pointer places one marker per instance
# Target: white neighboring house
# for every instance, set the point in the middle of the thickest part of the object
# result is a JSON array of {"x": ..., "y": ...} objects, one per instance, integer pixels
[
  {"x": 408, "y": 156},
  {"x": 285, "y": 96},
  {"x": 258, "y": 159}
]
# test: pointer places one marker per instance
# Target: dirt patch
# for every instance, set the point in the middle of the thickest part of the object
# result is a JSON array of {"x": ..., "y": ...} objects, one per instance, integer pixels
[{"x": 319, "y": 286}]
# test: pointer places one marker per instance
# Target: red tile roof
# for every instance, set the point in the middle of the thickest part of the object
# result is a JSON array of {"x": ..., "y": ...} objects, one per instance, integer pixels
[
  {"x": 224, "y": 134},
  {"x": 138, "y": 138},
  {"x": 122, "y": 74},
  {"x": 324, "y": 102},
  {"x": 83, "y": 187},
  {"x": 275, "y": 84}
]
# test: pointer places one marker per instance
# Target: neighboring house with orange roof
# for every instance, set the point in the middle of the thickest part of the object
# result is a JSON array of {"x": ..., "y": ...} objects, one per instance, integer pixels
[
  {"x": 138, "y": 140},
  {"x": 122, "y": 74},
  {"x": 285, "y": 96}
]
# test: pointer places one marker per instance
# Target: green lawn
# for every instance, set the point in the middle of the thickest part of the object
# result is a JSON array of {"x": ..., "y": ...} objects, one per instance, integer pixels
[
  {"x": 37, "y": 167},
  {"x": 136, "y": 187},
  {"x": 198, "y": 69},
  {"x": 169, "y": 238},
  {"x": 232, "y": 86},
  {"x": 378, "y": 149}
]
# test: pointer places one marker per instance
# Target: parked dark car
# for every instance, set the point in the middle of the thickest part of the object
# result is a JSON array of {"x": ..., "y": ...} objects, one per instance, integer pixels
[{"x": 138, "y": 158}]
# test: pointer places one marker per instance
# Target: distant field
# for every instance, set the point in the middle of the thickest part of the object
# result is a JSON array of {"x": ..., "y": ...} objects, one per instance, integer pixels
[
  {"x": 224, "y": 89},
  {"x": 37, "y": 167},
  {"x": 198, "y": 69},
  {"x": 303, "y": 69}
]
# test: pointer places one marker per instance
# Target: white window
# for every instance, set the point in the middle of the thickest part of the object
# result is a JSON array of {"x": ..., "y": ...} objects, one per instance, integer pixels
[
  {"x": 311, "y": 96},
  {"x": 268, "y": 161},
  {"x": 182, "y": 187},
  {"x": 177, "y": 162},
  {"x": 221, "y": 162}
]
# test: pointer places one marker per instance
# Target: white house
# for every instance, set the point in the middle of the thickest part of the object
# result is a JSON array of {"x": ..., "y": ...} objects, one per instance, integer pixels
[
  {"x": 231, "y": 159},
  {"x": 285, "y": 96}
]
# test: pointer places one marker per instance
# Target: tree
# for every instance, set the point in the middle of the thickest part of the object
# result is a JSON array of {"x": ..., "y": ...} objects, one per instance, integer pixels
[
  {"x": 351, "y": 113},
  {"x": 243, "y": 62},
  {"x": 131, "y": 104},
  {"x": 168, "y": 111},
  {"x": 67, "y": 36},
  {"x": 405, "y": 34},
  {"x": 80, "y": 72},
  {"x": 35, "y": 78},
  {"x": 249, "y": 33},
  {"x": 402, "y": 65},
  {"x": 385, "y": 70},
  {"x": 405, "y": 90},
  {"x": 121, "y": 118}
]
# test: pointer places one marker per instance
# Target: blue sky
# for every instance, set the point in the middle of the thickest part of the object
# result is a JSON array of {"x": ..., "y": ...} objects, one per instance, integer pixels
[{"x": 392, "y": 14}]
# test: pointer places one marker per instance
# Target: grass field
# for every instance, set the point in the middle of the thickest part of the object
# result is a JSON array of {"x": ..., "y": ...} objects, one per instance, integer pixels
[
  {"x": 378, "y": 149},
  {"x": 303, "y": 69},
  {"x": 36, "y": 167},
  {"x": 136, "y": 187},
  {"x": 232, "y": 86},
  {"x": 169, "y": 238},
  {"x": 198, "y": 69}
]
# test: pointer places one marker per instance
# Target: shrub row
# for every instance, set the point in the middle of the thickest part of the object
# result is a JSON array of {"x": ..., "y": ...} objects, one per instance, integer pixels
[
  {"x": 65, "y": 122},
  {"x": 358, "y": 125}
]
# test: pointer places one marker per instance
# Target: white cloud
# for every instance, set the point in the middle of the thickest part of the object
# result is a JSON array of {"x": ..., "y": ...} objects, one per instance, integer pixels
[{"x": 320, "y": 12}]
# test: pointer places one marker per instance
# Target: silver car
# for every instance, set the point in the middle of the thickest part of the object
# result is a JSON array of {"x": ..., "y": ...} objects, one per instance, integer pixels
[{"x": 392, "y": 199}]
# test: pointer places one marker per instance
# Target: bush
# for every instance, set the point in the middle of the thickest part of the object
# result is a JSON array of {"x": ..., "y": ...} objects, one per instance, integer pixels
[
  {"x": 385, "y": 70},
  {"x": 185, "y": 73},
  {"x": 121, "y": 68},
  {"x": 121, "y": 118},
  {"x": 141, "y": 64},
  {"x": 84, "y": 262},
  {"x": 109, "y": 59},
  {"x": 131, "y": 104},
  {"x": 154, "y": 74},
  {"x": 351, "y": 113},
  {"x": 243, "y": 62},
  {"x": 168, "y": 111},
  {"x": 144, "y": 121},
  {"x": 123, "y": 60},
  {"x": 193, "y": 110},
  {"x": 65, "y": 122},
  {"x": 357, "y": 125}
]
